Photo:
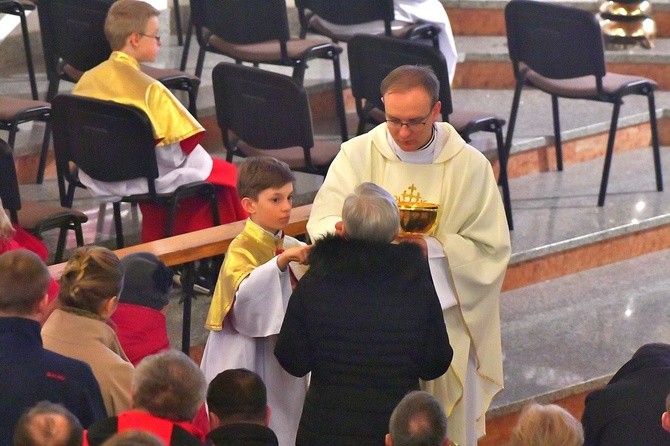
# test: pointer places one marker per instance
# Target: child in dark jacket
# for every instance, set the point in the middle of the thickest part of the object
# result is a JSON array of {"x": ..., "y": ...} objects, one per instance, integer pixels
[{"x": 140, "y": 319}]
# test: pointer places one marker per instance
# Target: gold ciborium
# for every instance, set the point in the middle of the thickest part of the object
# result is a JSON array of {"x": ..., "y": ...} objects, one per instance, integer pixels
[{"x": 417, "y": 218}]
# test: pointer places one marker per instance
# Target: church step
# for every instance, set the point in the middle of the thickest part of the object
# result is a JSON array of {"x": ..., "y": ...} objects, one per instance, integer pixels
[
  {"x": 565, "y": 337},
  {"x": 486, "y": 17}
]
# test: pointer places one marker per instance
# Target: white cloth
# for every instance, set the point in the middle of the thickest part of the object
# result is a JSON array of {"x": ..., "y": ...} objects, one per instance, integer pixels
[
  {"x": 248, "y": 339},
  {"x": 430, "y": 11},
  {"x": 174, "y": 169}
]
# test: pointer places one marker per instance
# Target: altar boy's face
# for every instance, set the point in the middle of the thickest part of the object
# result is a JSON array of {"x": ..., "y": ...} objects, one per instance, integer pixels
[{"x": 272, "y": 210}]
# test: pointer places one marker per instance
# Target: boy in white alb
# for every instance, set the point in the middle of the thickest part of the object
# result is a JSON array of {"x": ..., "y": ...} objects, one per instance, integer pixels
[{"x": 253, "y": 289}]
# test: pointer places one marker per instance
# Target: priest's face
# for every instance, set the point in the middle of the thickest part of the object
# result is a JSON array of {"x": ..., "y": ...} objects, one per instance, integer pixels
[{"x": 410, "y": 115}]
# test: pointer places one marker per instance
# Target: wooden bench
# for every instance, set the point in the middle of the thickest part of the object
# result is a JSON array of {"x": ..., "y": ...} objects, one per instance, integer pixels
[{"x": 186, "y": 248}]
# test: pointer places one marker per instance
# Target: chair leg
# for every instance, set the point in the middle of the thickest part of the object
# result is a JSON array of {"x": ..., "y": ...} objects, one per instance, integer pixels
[
  {"x": 192, "y": 97},
  {"x": 11, "y": 138},
  {"x": 52, "y": 91},
  {"x": 512, "y": 117},
  {"x": 60, "y": 245},
  {"x": 361, "y": 126},
  {"x": 43, "y": 153},
  {"x": 29, "y": 55},
  {"x": 201, "y": 61},
  {"x": 177, "y": 19},
  {"x": 187, "y": 281},
  {"x": 502, "y": 176},
  {"x": 214, "y": 204},
  {"x": 298, "y": 72},
  {"x": 608, "y": 154},
  {"x": 654, "y": 140},
  {"x": 78, "y": 233},
  {"x": 339, "y": 96},
  {"x": 69, "y": 197},
  {"x": 557, "y": 133},
  {"x": 118, "y": 226},
  {"x": 187, "y": 46}
]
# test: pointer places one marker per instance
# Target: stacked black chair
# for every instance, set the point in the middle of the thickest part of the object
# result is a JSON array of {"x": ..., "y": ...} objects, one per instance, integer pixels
[
  {"x": 257, "y": 32},
  {"x": 340, "y": 20},
  {"x": 36, "y": 217},
  {"x": 252, "y": 123},
  {"x": 559, "y": 50}
]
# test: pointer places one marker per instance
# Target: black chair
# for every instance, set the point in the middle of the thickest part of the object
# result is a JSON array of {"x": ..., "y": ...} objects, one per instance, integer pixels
[
  {"x": 340, "y": 20},
  {"x": 36, "y": 217},
  {"x": 19, "y": 8},
  {"x": 253, "y": 124},
  {"x": 559, "y": 50},
  {"x": 113, "y": 142},
  {"x": 371, "y": 58},
  {"x": 74, "y": 41},
  {"x": 16, "y": 111},
  {"x": 257, "y": 32}
]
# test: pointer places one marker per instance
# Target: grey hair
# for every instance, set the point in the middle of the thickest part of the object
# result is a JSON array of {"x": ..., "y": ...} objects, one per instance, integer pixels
[
  {"x": 418, "y": 420},
  {"x": 371, "y": 213},
  {"x": 169, "y": 385}
]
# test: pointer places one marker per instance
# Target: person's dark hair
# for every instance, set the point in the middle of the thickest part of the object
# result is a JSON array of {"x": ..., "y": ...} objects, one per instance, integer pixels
[
  {"x": 418, "y": 420},
  {"x": 255, "y": 174},
  {"x": 24, "y": 280},
  {"x": 133, "y": 438},
  {"x": 238, "y": 395},
  {"x": 371, "y": 213},
  {"x": 147, "y": 281},
  {"x": 91, "y": 276},
  {"x": 48, "y": 424},
  {"x": 169, "y": 385},
  {"x": 406, "y": 77}
]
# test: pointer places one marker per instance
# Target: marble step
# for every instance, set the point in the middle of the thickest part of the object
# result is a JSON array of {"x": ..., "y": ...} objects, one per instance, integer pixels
[
  {"x": 565, "y": 337},
  {"x": 486, "y": 17}
]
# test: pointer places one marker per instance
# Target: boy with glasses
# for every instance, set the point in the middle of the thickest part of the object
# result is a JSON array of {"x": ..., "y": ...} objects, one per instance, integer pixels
[{"x": 131, "y": 27}]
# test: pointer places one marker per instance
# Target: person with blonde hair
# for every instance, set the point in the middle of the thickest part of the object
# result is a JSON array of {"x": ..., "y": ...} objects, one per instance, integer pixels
[
  {"x": 546, "y": 425},
  {"x": 79, "y": 329}
]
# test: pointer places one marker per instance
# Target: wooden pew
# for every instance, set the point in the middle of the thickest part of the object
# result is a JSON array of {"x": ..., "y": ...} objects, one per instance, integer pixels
[
  {"x": 185, "y": 248},
  {"x": 200, "y": 244}
]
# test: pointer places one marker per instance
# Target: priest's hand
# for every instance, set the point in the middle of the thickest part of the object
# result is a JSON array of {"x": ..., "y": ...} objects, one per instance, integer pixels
[{"x": 418, "y": 240}]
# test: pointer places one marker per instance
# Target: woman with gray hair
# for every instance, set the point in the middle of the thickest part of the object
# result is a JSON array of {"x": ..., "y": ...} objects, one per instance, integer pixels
[{"x": 365, "y": 321}]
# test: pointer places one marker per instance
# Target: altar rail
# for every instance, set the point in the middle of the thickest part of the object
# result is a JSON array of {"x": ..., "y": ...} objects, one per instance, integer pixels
[{"x": 200, "y": 244}]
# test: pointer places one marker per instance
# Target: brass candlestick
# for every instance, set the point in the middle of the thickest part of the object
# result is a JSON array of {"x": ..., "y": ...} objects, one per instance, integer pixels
[{"x": 627, "y": 22}]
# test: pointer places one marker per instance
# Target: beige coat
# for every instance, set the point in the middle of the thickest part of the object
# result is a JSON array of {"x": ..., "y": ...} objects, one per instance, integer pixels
[{"x": 95, "y": 343}]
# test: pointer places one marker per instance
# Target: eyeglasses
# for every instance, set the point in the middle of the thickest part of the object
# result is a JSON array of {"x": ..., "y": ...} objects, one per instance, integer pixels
[
  {"x": 412, "y": 124},
  {"x": 155, "y": 36}
]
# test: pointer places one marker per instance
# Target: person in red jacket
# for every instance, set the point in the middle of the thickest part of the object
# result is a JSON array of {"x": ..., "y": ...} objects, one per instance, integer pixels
[{"x": 139, "y": 318}]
